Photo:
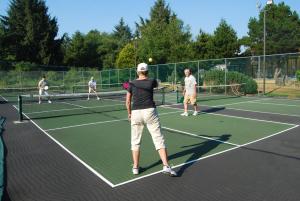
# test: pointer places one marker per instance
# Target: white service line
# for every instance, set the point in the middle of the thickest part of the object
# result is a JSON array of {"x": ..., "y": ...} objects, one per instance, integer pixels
[
  {"x": 198, "y": 136},
  {"x": 257, "y": 111},
  {"x": 101, "y": 122},
  {"x": 280, "y": 104},
  {"x": 237, "y": 117}
]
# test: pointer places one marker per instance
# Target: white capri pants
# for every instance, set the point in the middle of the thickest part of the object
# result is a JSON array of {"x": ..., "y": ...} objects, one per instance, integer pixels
[{"x": 149, "y": 117}]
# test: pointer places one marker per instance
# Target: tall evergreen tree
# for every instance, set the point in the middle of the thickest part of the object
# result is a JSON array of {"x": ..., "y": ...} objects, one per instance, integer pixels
[
  {"x": 122, "y": 33},
  {"x": 282, "y": 30},
  {"x": 225, "y": 41},
  {"x": 30, "y": 32},
  {"x": 202, "y": 47},
  {"x": 163, "y": 37}
]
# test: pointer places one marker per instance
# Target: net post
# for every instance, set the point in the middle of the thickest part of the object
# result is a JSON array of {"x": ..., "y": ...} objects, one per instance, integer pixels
[{"x": 20, "y": 108}]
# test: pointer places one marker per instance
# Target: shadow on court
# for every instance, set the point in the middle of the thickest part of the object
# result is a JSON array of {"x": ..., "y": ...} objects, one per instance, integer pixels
[
  {"x": 213, "y": 110},
  {"x": 195, "y": 151}
]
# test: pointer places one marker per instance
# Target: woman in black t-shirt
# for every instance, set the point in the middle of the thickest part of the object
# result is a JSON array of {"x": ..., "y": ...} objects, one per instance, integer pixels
[{"x": 143, "y": 111}]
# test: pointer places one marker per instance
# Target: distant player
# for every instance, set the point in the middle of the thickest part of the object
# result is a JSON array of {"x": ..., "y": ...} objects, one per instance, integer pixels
[
  {"x": 189, "y": 92},
  {"x": 43, "y": 87},
  {"x": 92, "y": 88}
]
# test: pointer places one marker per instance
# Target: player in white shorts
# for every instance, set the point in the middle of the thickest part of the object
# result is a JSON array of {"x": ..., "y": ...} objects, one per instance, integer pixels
[
  {"x": 189, "y": 92},
  {"x": 92, "y": 88},
  {"x": 143, "y": 112},
  {"x": 43, "y": 87}
]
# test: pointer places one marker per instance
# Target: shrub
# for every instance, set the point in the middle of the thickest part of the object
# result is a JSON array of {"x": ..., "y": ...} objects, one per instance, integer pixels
[{"x": 217, "y": 77}]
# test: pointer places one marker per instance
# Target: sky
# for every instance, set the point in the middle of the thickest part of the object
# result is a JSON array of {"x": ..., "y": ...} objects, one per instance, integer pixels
[{"x": 103, "y": 15}]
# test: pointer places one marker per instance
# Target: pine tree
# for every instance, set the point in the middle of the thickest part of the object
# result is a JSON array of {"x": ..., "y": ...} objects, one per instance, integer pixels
[
  {"x": 30, "y": 32},
  {"x": 122, "y": 33}
]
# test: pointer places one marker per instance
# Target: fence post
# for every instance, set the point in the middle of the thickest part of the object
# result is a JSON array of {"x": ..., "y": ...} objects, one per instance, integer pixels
[
  {"x": 157, "y": 72},
  {"x": 175, "y": 79},
  {"x": 225, "y": 76}
]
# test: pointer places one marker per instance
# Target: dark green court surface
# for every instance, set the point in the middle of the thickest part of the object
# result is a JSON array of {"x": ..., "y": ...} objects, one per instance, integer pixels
[{"x": 101, "y": 140}]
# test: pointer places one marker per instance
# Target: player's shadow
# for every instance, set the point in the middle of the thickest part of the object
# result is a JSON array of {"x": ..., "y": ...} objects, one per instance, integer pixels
[
  {"x": 213, "y": 110},
  {"x": 195, "y": 151}
]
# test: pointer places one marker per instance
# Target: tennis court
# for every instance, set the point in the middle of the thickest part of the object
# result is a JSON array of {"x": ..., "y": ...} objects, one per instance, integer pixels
[{"x": 97, "y": 133}]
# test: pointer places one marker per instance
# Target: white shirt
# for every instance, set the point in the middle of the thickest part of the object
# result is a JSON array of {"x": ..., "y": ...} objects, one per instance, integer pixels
[
  {"x": 92, "y": 84},
  {"x": 42, "y": 84},
  {"x": 189, "y": 83}
]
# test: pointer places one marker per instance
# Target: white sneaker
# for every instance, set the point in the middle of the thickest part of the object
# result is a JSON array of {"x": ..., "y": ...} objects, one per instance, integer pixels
[
  {"x": 185, "y": 114},
  {"x": 40, "y": 102},
  {"x": 195, "y": 113},
  {"x": 49, "y": 101},
  {"x": 98, "y": 98},
  {"x": 168, "y": 170},
  {"x": 135, "y": 171},
  {"x": 88, "y": 98}
]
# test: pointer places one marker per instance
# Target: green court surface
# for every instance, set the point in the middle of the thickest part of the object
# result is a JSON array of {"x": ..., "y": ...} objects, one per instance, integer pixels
[
  {"x": 266, "y": 105},
  {"x": 101, "y": 139},
  {"x": 255, "y": 104}
]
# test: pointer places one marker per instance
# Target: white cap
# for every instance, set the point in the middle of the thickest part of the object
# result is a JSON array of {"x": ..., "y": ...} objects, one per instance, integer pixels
[{"x": 142, "y": 67}]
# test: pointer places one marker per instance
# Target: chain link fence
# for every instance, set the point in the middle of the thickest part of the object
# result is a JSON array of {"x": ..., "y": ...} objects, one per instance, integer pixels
[{"x": 278, "y": 73}]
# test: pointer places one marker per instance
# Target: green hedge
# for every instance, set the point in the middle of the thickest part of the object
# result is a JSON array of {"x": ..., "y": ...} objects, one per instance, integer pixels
[
  {"x": 298, "y": 75},
  {"x": 217, "y": 77}
]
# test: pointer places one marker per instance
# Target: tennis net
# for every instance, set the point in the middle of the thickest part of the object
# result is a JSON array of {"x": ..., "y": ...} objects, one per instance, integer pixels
[
  {"x": 214, "y": 92},
  {"x": 80, "y": 88},
  {"x": 76, "y": 104},
  {"x": 16, "y": 91}
]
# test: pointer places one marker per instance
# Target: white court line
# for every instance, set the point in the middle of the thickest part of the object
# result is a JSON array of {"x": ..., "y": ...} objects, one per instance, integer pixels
[
  {"x": 280, "y": 104},
  {"x": 100, "y": 122},
  {"x": 257, "y": 111},
  {"x": 237, "y": 117},
  {"x": 205, "y": 157},
  {"x": 198, "y": 136},
  {"x": 72, "y": 154},
  {"x": 231, "y": 108}
]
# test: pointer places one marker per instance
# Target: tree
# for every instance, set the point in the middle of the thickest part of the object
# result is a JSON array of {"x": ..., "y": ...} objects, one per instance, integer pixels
[
  {"x": 163, "y": 37},
  {"x": 202, "y": 47},
  {"x": 75, "y": 52},
  {"x": 30, "y": 32},
  {"x": 282, "y": 30},
  {"x": 122, "y": 34},
  {"x": 126, "y": 57},
  {"x": 225, "y": 41}
]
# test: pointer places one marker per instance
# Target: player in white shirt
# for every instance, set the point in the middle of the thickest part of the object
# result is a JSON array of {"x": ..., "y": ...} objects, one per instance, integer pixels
[
  {"x": 92, "y": 88},
  {"x": 43, "y": 87},
  {"x": 189, "y": 92}
]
